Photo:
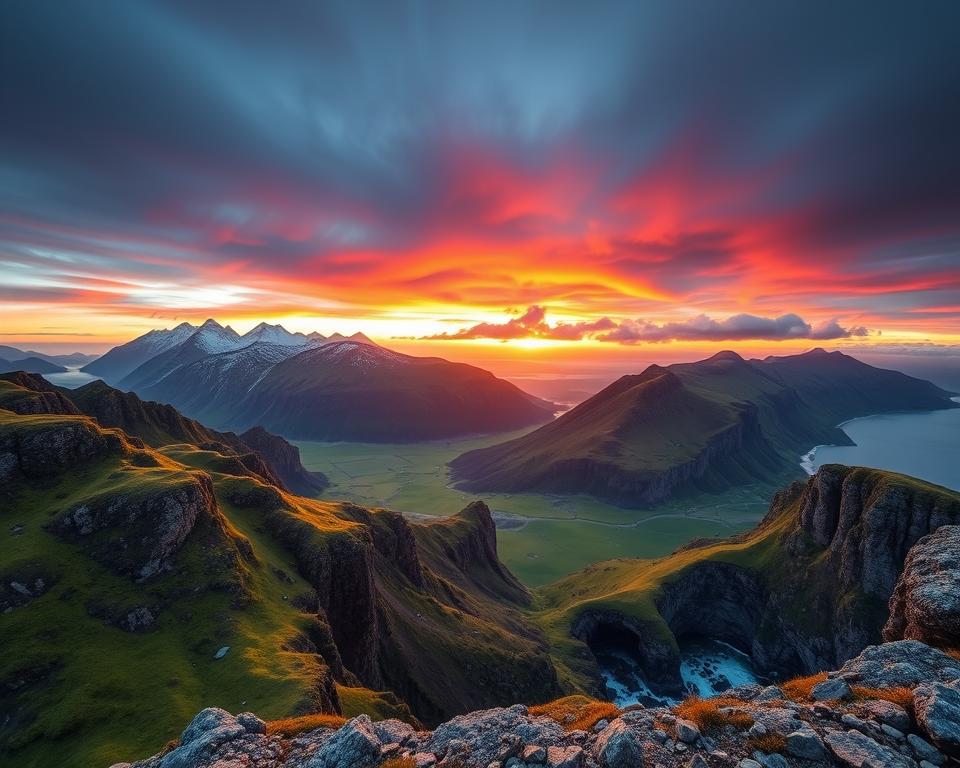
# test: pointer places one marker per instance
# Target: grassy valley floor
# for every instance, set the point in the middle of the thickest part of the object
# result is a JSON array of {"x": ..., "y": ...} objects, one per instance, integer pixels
[{"x": 541, "y": 538}]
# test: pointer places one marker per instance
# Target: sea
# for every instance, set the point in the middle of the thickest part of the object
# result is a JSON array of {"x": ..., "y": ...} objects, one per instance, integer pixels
[{"x": 923, "y": 444}]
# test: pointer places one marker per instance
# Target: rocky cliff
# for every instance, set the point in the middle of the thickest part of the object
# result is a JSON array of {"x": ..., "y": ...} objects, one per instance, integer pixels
[
  {"x": 805, "y": 591},
  {"x": 265, "y": 455},
  {"x": 284, "y": 457}
]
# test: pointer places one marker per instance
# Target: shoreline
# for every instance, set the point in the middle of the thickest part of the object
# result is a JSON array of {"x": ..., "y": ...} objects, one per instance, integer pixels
[{"x": 807, "y": 459}]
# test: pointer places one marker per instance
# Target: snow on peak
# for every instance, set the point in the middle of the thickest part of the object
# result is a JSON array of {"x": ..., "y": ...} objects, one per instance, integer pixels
[
  {"x": 274, "y": 334},
  {"x": 212, "y": 338}
]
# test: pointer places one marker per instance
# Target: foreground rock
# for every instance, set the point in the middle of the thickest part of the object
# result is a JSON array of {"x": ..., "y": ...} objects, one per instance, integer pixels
[
  {"x": 925, "y": 605},
  {"x": 753, "y": 730}
]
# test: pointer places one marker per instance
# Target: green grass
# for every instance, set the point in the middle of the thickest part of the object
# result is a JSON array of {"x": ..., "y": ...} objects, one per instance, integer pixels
[
  {"x": 97, "y": 702},
  {"x": 87, "y": 688},
  {"x": 540, "y": 537}
]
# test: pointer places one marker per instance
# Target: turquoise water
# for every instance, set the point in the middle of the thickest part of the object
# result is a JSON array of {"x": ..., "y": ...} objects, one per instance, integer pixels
[
  {"x": 924, "y": 445},
  {"x": 707, "y": 667}
]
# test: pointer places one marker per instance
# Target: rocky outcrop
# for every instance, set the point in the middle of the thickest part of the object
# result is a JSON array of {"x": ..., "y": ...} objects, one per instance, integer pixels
[
  {"x": 37, "y": 396},
  {"x": 867, "y": 522},
  {"x": 751, "y": 730},
  {"x": 284, "y": 457},
  {"x": 44, "y": 448},
  {"x": 925, "y": 605},
  {"x": 137, "y": 533}
]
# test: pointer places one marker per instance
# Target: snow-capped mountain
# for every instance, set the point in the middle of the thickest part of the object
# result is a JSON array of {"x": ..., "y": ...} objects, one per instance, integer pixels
[
  {"x": 211, "y": 338},
  {"x": 275, "y": 334},
  {"x": 122, "y": 360},
  {"x": 354, "y": 390},
  {"x": 324, "y": 388},
  {"x": 211, "y": 387}
]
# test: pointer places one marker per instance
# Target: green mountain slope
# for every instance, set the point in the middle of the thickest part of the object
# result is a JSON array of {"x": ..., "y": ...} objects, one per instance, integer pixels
[
  {"x": 267, "y": 455},
  {"x": 125, "y": 568},
  {"x": 704, "y": 426}
]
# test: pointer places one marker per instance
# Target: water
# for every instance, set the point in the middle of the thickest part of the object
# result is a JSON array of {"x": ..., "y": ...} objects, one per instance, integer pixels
[
  {"x": 707, "y": 667},
  {"x": 71, "y": 379},
  {"x": 924, "y": 445}
]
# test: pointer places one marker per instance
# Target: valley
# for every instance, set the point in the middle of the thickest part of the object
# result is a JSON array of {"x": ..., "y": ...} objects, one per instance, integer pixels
[{"x": 540, "y": 537}]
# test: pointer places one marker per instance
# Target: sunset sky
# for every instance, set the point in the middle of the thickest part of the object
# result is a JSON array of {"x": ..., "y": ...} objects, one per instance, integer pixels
[{"x": 512, "y": 179}]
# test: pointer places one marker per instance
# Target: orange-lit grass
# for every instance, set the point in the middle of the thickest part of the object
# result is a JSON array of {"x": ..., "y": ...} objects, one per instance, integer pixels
[
  {"x": 898, "y": 695},
  {"x": 400, "y": 762},
  {"x": 706, "y": 714},
  {"x": 576, "y": 713},
  {"x": 800, "y": 688},
  {"x": 292, "y": 726},
  {"x": 768, "y": 742}
]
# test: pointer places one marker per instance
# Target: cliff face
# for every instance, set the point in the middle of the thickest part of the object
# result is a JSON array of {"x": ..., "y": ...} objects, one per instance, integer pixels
[
  {"x": 284, "y": 457},
  {"x": 859, "y": 526},
  {"x": 804, "y": 592},
  {"x": 264, "y": 455}
]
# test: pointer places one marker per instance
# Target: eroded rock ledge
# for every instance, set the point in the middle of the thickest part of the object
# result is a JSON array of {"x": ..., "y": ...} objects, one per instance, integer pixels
[{"x": 893, "y": 706}]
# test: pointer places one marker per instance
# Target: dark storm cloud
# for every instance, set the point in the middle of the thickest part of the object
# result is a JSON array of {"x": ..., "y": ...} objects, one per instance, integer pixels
[{"x": 215, "y": 133}]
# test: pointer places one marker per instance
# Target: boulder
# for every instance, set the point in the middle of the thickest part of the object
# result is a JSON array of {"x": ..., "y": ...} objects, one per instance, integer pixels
[
  {"x": 564, "y": 757},
  {"x": 687, "y": 732},
  {"x": 393, "y": 731},
  {"x": 830, "y": 690},
  {"x": 209, "y": 730},
  {"x": 619, "y": 747},
  {"x": 353, "y": 745},
  {"x": 925, "y": 604},
  {"x": 856, "y": 750},
  {"x": 482, "y": 731},
  {"x": 805, "y": 744},
  {"x": 889, "y": 713},
  {"x": 937, "y": 707},
  {"x": 924, "y": 750},
  {"x": 907, "y": 663}
]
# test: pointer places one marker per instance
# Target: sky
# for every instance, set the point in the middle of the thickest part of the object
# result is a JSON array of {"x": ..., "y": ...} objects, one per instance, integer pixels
[{"x": 485, "y": 181}]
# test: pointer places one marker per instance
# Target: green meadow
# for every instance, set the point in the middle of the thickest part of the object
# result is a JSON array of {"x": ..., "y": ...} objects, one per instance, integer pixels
[{"x": 541, "y": 537}]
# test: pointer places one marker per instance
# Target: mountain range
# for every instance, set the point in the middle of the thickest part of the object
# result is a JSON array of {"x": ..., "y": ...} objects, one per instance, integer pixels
[
  {"x": 13, "y": 354},
  {"x": 695, "y": 426},
  {"x": 143, "y": 579},
  {"x": 313, "y": 387}
]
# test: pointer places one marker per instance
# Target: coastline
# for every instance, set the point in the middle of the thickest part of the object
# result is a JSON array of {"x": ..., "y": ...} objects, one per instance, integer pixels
[{"x": 808, "y": 460}]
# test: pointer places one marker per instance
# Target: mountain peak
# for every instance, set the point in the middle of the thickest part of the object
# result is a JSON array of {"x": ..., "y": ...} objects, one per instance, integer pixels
[
  {"x": 361, "y": 337},
  {"x": 727, "y": 354},
  {"x": 211, "y": 323}
]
